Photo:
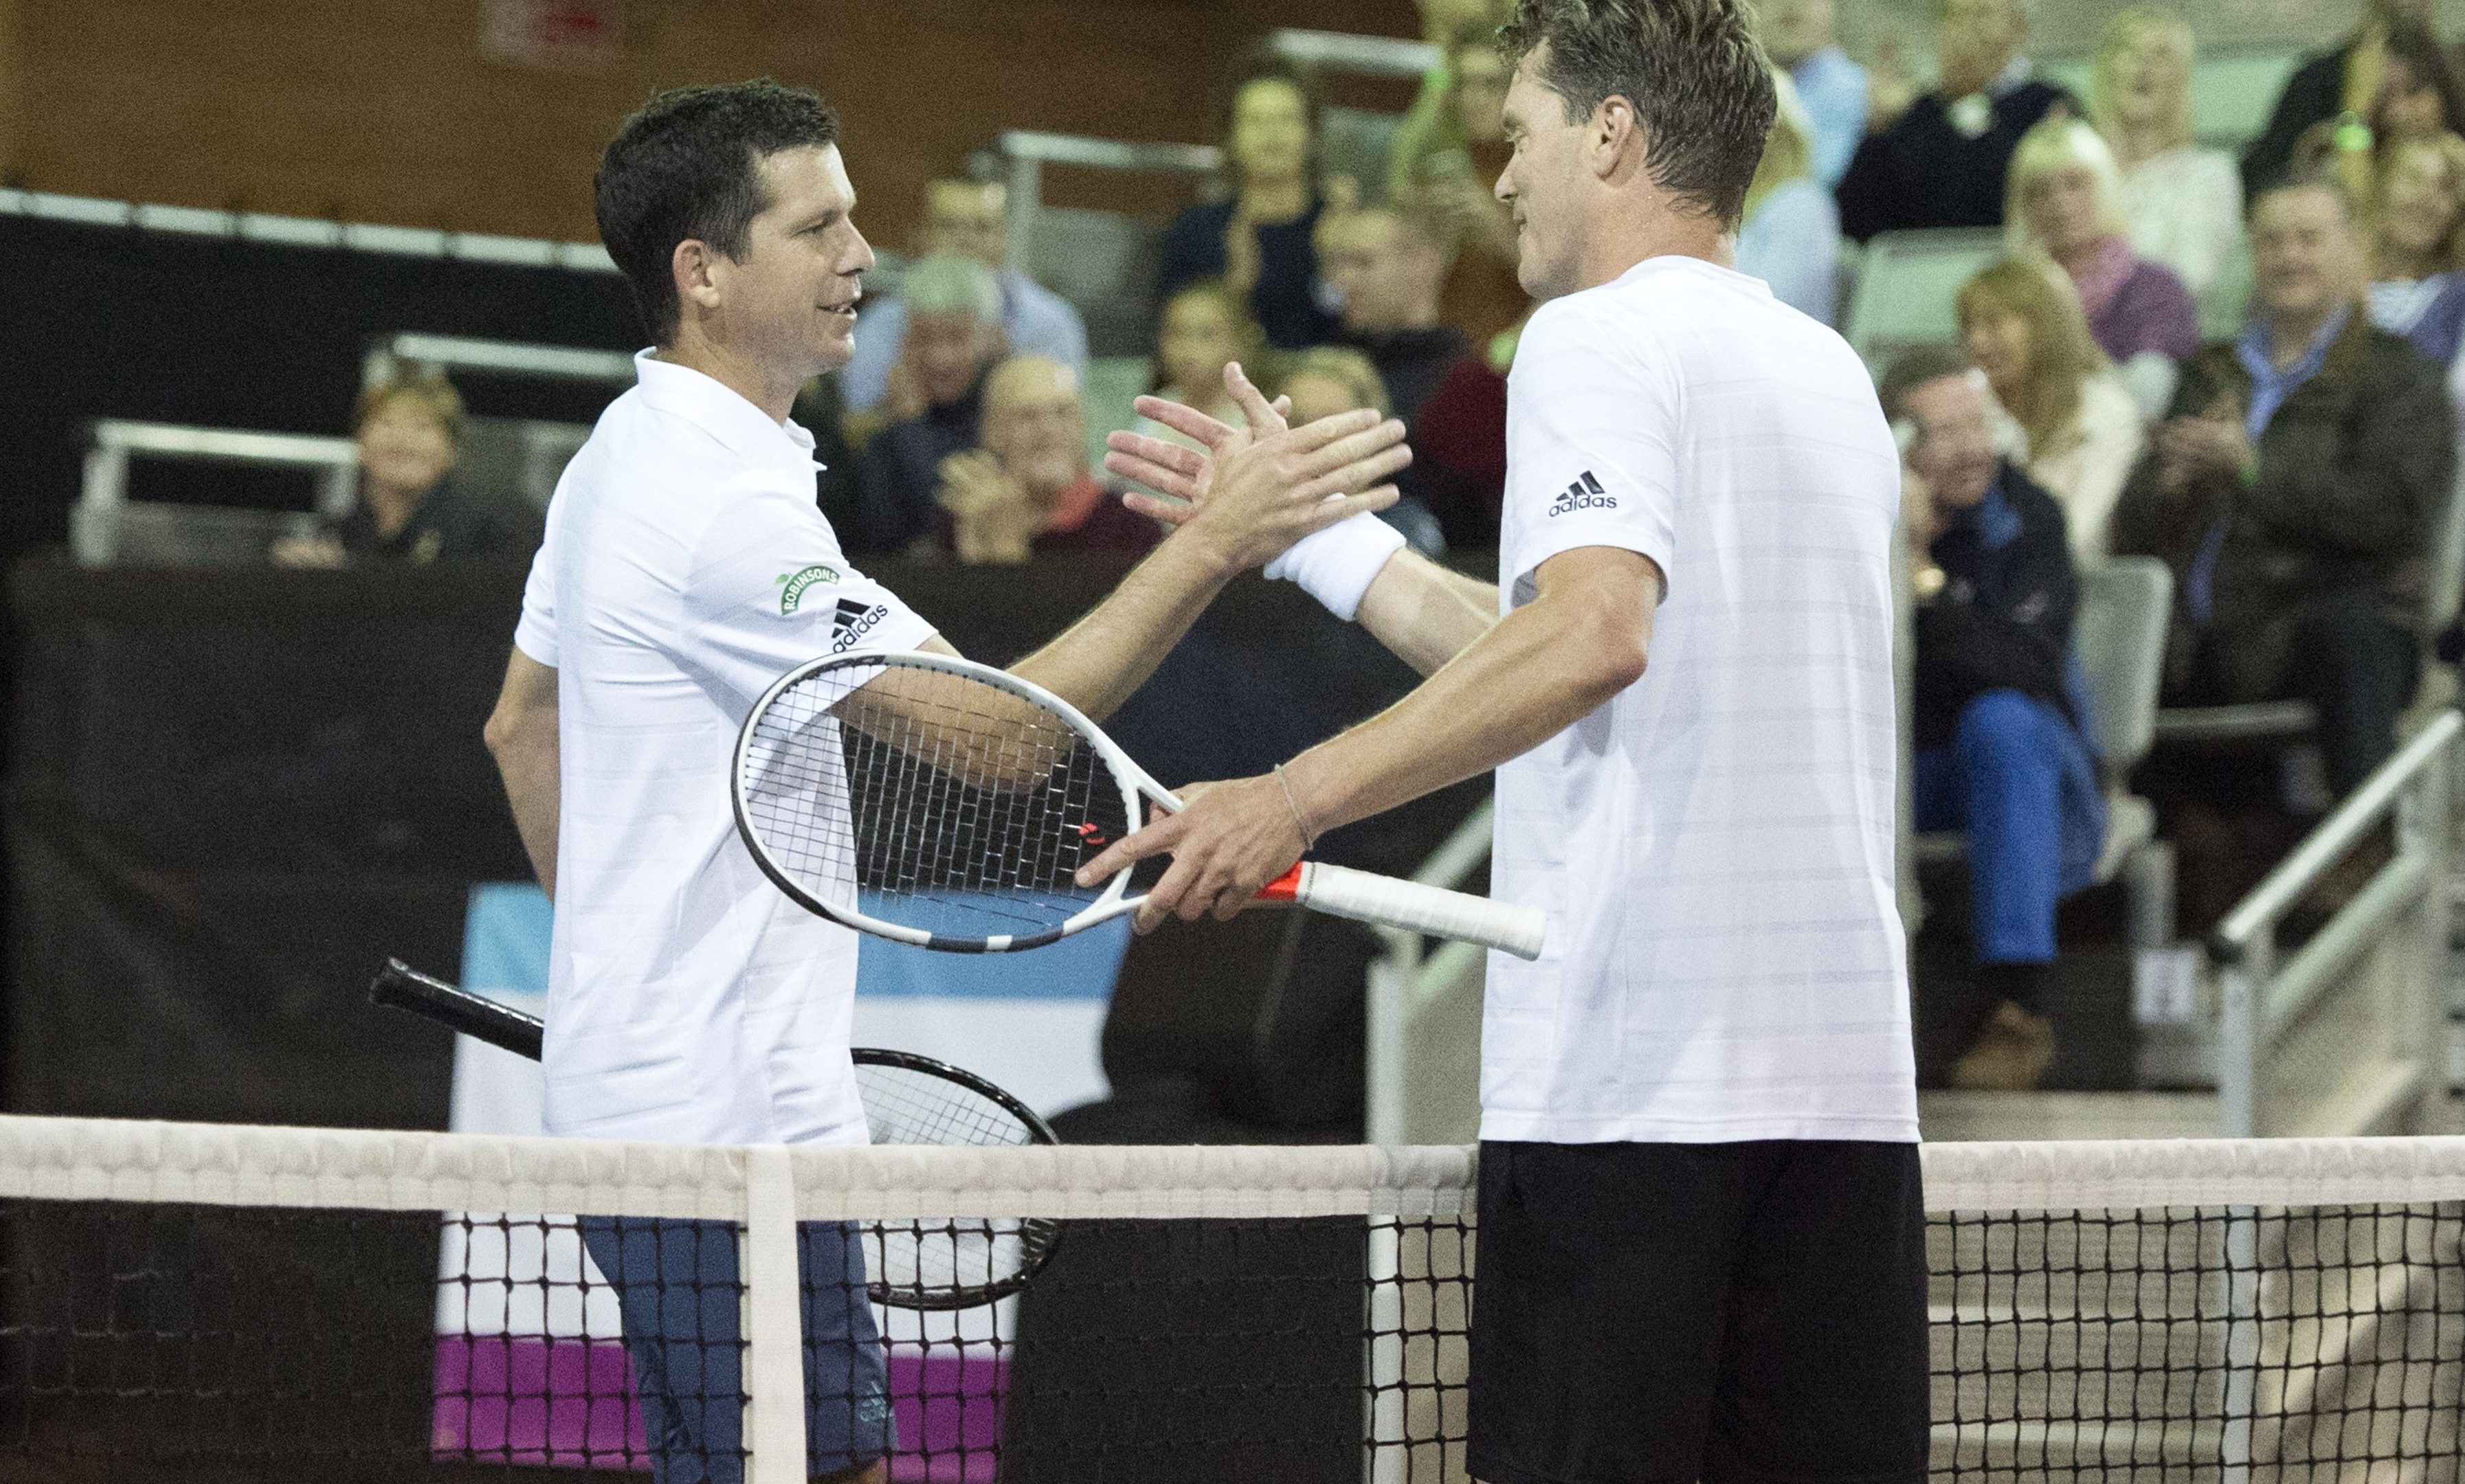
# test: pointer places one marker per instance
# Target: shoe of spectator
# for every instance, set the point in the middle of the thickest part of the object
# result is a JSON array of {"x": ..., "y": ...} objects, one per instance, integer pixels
[{"x": 2010, "y": 1056}]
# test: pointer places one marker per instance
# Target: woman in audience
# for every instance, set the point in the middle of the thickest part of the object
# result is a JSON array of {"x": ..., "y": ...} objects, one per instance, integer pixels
[
  {"x": 1259, "y": 241},
  {"x": 2065, "y": 200},
  {"x": 1448, "y": 153},
  {"x": 410, "y": 428},
  {"x": 2184, "y": 204},
  {"x": 2416, "y": 97},
  {"x": 1325, "y": 380},
  {"x": 2022, "y": 324},
  {"x": 1205, "y": 329},
  {"x": 2419, "y": 245},
  {"x": 1791, "y": 235}
]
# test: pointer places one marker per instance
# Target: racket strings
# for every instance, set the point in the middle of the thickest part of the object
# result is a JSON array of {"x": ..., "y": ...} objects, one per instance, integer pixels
[
  {"x": 929, "y": 799},
  {"x": 952, "y": 1262}
]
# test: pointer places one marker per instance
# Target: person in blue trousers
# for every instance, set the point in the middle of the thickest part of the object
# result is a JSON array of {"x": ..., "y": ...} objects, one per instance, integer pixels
[{"x": 2001, "y": 746}]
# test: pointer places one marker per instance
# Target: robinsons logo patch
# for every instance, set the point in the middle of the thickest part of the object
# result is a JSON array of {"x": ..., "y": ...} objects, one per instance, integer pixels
[
  {"x": 1584, "y": 493},
  {"x": 793, "y": 586}
]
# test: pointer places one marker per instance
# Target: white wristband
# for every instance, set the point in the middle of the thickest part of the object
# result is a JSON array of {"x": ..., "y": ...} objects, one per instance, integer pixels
[{"x": 1337, "y": 565}]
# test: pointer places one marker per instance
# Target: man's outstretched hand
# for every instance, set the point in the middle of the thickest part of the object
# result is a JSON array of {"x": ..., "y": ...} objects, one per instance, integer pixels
[
  {"x": 1257, "y": 489},
  {"x": 1226, "y": 841}
]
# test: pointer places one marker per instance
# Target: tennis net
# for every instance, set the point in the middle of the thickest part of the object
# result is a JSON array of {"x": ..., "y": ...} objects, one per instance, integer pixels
[{"x": 218, "y": 1302}]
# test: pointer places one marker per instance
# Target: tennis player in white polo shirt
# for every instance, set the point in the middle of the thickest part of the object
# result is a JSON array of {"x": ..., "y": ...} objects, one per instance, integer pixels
[
  {"x": 1701, "y": 1232},
  {"x": 685, "y": 569}
]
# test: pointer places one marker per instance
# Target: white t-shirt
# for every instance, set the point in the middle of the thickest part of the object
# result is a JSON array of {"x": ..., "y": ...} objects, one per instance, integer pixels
[
  {"x": 1714, "y": 847},
  {"x": 686, "y": 567}
]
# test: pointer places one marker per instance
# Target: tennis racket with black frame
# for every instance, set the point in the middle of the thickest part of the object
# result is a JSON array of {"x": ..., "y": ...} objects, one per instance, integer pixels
[
  {"x": 940, "y": 1264},
  {"x": 942, "y": 803}
]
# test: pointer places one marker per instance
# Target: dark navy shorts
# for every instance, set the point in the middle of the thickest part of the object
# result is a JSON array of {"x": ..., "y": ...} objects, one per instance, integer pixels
[
  {"x": 1729, "y": 1314},
  {"x": 677, "y": 1283}
]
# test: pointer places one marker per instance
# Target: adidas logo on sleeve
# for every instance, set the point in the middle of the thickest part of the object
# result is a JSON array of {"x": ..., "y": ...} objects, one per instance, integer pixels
[
  {"x": 853, "y": 621},
  {"x": 1584, "y": 493}
]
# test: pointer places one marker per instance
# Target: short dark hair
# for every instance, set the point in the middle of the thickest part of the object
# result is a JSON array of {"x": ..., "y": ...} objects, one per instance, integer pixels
[
  {"x": 686, "y": 166},
  {"x": 1692, "y": 69},
  {"x": 1915, "y": 368}
]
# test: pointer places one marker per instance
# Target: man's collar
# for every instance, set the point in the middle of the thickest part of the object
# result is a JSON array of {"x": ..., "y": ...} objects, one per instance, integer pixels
[
  {"x": 712, "y": 406},
  {"x": 2015, "y": 72},
  {"x": 2258, "y": 345}
]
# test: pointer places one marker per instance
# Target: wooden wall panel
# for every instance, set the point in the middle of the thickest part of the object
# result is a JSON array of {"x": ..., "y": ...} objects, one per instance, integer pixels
[{"x": 383, "y": 110}]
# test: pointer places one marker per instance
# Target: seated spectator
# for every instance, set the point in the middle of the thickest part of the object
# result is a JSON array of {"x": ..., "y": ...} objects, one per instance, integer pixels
[
  {"x": 2417, "y": 98},
  {"x": 1791, "y": 237},
  {"x": 2184, "y": 204},
  {"x": 2170, "y": 507},
  {"x": 2067, "y": 204},
  {"x": 1460, "y": 458},
  {"x": 2022, "y": 324},
  {"x": 1940, "y": 163},
  {"x": 953, "y": 336},
  {"x": 2311, "y": 586},
  {"x": 1801, "y": 37},
  {"x": 2001, "y": 754},
  {"x": 406, "y": 512},
  {"x": 1385, "y": 266},
  {"x": 1027, "y": 491},
  {"x": 1260, "y": 240},
  {"x": 968, "y": 219},
  {"x": 1325, "y": 380},
  {"x": 2345, "y": 79},
  {"x": 1203, "y": 331},
  {"x": 1447, "y": 156},
  {"x": 2418, "y": 246}
]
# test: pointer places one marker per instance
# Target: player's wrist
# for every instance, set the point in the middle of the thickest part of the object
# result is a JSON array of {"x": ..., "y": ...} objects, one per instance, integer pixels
[{"x": 1337, "y": 565}]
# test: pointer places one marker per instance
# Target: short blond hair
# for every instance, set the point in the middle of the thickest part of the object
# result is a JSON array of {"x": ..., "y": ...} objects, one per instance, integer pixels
[
  {"x": 422, "y": 385},
  {"x": 2060, "y": 143},
  {"x": 2126, "y": 27},
  {"x": 1347, "y": 368}
]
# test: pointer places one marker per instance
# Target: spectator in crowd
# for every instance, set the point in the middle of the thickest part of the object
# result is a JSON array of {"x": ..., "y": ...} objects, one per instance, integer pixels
[
  {"x": 2171, "y": 507},
  {"x": 1791, "y": 237},
  {"x": 1447, "y": 156},
  {"x": 1999, "y": 754},
  {"x": 2022, "y": 326},
  {"x": 1205, "y": 328},
  {"x": 2067, "y": 204},
  {"x": 1940, "y": 163},
  {"x": 1459, "y": 456},
  {"x": 1027, "y": 492},
  {"x": 1260, "y": 241},
  {"x": 2343, "y": 81},
  {"x": 1385, "y": 266},
  {"x": 2184, "y": 202},
  {"x": 406, "y": 512},
  {"x": 967, "y": 219},
  {"x": 2418, "y": 246},
  {"x": 1803, "y": 39},
  {"x": 954, "y": 336},
  {"x": 1327, "y": 380},
  {"x": 2417, "y": 98},
  {"x": 2311, "y": 586}
]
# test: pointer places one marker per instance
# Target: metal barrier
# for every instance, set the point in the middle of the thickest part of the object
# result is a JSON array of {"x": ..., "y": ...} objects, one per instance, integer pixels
[
  {"x": 105, "y": 519},
  {"x": 1369, "y": 56},
  {"x": 1424, "y": 1014},
  {"x": 307, "y": 232},
  {"x": 2346, "y": 1035},
  {"x": 1029, "y": 151}
]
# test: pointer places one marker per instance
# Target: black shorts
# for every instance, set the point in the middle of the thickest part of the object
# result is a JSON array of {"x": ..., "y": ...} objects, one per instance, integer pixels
[{"x": 1715, "y": 1311}]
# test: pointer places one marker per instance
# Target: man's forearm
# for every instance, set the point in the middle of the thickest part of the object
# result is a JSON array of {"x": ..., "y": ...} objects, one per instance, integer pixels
[
  {"x": 1526, "y": 678},
  {"x": 1098, "y": 661},
  {"x": 528, "y": 763},
  {"x": 1426, "y": 613}
]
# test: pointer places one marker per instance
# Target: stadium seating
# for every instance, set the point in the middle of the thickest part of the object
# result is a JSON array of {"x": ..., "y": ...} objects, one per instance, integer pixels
[{"x": 1907, "y": 282}]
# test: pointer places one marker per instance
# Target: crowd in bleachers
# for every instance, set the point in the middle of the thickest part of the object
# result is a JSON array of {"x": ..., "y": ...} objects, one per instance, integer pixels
[{"x": 2296, "y": 479}]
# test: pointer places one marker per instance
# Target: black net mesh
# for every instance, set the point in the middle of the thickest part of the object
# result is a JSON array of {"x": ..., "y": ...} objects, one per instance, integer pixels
[{"x": 144, "y": 1340}]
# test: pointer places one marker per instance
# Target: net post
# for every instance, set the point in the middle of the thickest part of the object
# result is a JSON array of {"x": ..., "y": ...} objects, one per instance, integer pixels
[
  {"x": 771, "y": 1300},
  {"x": 2243, "y": 1035}
]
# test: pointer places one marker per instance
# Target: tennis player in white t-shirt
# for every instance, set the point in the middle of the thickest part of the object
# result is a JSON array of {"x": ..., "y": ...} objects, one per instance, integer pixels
[
  {"x": 1701, "y": 1231},
  {"x": 685, "y": 567}
]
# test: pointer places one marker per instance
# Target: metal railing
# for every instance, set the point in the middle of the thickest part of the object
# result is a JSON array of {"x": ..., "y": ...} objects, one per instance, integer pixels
[
  {"x": 1029, "y": 151},
  {"x": 2346, "y": 1035},
  {"x": 505, "y": 357},
  {"x": 95, "y": 524},
  {"x": 1369, "y": 56},
  {"x": 1421, "y": 999},
  {"x": 308, "y": 232}
]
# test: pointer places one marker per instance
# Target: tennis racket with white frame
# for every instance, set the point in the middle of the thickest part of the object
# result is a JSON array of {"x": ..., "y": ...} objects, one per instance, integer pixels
[{"x": 935, "y": 801}]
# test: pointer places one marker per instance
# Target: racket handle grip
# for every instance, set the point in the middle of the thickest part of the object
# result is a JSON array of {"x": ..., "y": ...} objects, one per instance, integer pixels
[{"x": 1339, "y": 891}]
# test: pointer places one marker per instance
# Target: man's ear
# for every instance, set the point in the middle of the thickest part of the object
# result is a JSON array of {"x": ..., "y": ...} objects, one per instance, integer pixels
[
  {"x": 1617, "y": 141},
  {"x": 699, "y": 271}
]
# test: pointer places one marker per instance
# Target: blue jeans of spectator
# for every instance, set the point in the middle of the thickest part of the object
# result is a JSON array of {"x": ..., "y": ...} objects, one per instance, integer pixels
[
  {"x": 676, "y": 1284},
  {"x": 2018, "y": 779}
]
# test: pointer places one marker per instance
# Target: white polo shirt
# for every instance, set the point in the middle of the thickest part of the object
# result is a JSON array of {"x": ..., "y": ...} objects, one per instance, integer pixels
[
  {"x": 685, "y": 569},
  {"x": 1714, "y": 846}
]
